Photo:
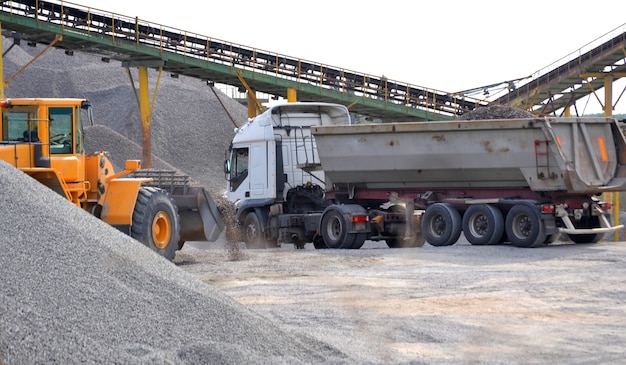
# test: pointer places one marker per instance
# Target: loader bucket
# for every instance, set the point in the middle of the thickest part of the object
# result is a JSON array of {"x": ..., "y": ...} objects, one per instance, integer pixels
[{"x": 200, "y": 219}]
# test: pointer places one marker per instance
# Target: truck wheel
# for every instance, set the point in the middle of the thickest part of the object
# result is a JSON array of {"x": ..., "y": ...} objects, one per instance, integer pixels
[
  {"x": 524, "y": 227},
  {"x": 359, "y": 240},
  {"x": 155, "y": 221},
  {"x": 441, "y": 224},
  {"x": 483, "y": 224},
  {"x": 335, "y": 230},
  {"x": 252, "y": 232}
]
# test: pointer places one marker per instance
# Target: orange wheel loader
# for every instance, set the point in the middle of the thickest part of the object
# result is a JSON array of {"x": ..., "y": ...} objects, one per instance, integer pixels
[{"x": 43, "y": 137}]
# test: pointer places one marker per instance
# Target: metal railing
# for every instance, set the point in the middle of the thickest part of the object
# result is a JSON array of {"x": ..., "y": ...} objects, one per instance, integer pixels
[{"x": 120, "y": 28}]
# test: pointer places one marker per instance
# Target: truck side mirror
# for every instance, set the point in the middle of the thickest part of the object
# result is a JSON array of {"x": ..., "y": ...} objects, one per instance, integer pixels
[{"x": 227, "y": 167}]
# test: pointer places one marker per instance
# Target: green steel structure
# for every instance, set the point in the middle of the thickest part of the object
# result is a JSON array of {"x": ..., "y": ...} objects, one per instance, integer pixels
[
  {"x": 140, "y": 43},
  {"x": 135, "y": 42}
]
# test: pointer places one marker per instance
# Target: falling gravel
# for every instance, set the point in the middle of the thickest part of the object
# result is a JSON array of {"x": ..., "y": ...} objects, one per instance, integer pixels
[{"x": 75, "y": 290}]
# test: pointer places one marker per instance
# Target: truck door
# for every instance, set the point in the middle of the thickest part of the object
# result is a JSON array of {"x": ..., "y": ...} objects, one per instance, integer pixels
[{"x": 238, "y": 185}]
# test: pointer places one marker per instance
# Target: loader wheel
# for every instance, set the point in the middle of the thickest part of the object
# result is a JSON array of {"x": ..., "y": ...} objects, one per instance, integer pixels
[{"x": 155, "y": 221}]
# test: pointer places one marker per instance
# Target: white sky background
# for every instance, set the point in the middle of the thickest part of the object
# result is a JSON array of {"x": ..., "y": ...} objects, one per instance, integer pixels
[{"x": 448, "y": 45}]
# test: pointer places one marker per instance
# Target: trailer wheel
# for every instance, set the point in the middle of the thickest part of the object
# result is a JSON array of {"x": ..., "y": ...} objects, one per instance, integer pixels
[
  {"x": 441, "y": 224},
  {"x": 318, "y": 243},
  {"x": 253, "y": 233},
  {"x": 155, "y": 221},
  {"x": 483, "y": 224},
  {"x": 587, "y": 238},
  {"x": 524, "y": 227},
  {"x": 334, "y": 229}
]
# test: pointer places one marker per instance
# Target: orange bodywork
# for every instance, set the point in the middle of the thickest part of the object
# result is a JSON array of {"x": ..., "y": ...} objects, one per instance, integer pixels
[{"x": 56, "y": 158}]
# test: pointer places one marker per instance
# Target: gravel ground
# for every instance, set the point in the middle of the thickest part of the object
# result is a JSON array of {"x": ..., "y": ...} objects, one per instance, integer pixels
[{"x": 560, "y": 304}]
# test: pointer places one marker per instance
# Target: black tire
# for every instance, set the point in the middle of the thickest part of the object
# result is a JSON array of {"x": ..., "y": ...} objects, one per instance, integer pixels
[
  {"x": 252, "y": 232},
  {"x": 441, "y": 224},
  {"x": 318, "y": 243},
  {"x": 524, "y": 227},
  {"x": 483, "y": 224},
  {"x": 359, "y": 240},
  {"x": 156, "y": 223},
  {"x": 586, "y": 238},
  {"x": 334, "y": 229},
  {"x": 593, "y": 222}
]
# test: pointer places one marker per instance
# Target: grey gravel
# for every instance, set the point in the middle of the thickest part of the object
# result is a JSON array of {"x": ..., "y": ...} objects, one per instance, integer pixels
[
  {"x": 75, "y": 290},
  {"x": 496, "y": 112}
]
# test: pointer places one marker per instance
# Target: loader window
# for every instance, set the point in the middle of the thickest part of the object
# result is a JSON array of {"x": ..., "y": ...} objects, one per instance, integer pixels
[
  {"x": 61, "y": 130},
  {"x": 17, "y": 125},
  {"x": 238, "y": 167}
]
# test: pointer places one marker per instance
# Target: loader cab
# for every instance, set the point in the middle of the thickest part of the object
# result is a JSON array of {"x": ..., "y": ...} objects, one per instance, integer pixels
[{"x": 45, "y": 133}]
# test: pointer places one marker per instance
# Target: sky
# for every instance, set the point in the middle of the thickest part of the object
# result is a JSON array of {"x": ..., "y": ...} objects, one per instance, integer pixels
[{"x": 448, "y": 45}]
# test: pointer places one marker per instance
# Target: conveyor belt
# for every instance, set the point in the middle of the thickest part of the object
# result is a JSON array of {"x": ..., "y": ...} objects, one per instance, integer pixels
[
  {"x": 132, "y": 40},
  {"x": 561, "y": 84}
]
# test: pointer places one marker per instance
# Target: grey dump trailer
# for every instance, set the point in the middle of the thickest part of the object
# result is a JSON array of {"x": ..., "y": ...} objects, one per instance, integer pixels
[{"x": 518, "y": 181}]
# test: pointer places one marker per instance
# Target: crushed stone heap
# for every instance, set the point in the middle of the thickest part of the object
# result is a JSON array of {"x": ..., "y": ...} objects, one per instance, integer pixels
[
  {"x": 496, "y": 112},
  {"x": 76, "y": 290}
]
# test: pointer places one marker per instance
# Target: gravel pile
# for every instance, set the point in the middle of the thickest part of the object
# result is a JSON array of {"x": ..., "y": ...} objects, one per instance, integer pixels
[
  {"x": 190, "y": 128},
  {"x": 75, "y": 290},
  {"x": 496, "y": 112}
]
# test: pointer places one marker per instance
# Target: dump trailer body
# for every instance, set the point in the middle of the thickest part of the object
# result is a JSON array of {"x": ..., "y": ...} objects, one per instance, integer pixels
[
  {"x": 574, "y": 155},
  {"x": 518, "y": 181}
]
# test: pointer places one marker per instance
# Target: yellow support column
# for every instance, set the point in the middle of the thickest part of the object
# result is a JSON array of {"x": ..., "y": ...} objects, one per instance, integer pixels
[
  {"x": 291, "y": 95},
  {"x": 608, "y": 112},
  {"x": 144, "y": 109},
  {"x": 2, "y": 84},
  {"x": 252, "y": 107}
]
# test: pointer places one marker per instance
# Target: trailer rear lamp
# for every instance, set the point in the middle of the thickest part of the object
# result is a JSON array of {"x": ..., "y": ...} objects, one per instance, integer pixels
[
  {"x": 359, "y": 219},
  {"x": 607, "y": 207},
  {"x": 4, "y": 103},
  {"x": 547, "y": 208}
]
